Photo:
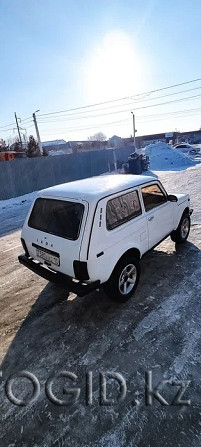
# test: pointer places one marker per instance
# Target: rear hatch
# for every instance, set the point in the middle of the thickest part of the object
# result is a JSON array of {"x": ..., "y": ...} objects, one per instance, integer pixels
[{"x": 53, "y": 232}]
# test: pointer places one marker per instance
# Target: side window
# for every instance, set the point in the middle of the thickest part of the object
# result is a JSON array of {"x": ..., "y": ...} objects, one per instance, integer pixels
[
  {"x": 121, "y": 209},
  {"x": 153, "y": 196}
]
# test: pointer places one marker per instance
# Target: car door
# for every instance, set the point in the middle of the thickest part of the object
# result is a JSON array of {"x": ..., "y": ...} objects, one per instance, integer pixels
[
  {"x": 159, "y": 212},
  {"x": 118, "y": 226}
]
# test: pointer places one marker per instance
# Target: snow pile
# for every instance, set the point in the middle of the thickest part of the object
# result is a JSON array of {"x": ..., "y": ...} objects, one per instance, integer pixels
[{"x": 164, "y": 158}]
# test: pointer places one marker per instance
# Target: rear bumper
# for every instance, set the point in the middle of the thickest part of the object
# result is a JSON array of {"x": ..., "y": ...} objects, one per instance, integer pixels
[{"x": 58, "y": 278}]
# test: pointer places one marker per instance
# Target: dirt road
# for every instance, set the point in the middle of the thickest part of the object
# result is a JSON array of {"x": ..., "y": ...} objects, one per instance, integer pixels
[{"x": 158, "y": 330}]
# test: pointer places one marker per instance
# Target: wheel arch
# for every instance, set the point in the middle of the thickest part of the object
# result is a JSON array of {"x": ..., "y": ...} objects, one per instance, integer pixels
[
  {"x": 131, "y": 251},
  {"x": 111, "y": 286},
  {"x": 179, "y": 216},
  {"x": 186, "y": 211}
]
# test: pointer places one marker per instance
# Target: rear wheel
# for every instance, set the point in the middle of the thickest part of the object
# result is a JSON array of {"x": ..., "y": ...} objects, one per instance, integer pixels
[
  {"x": 124, "y": 279},
  {"x": 181, "y": 233}
]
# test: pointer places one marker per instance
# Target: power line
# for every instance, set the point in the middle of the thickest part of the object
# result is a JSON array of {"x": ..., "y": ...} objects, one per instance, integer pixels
[
  {"x": 120, "y": 111},
  {"x": 53, "y": 118},
  {"x": 26, "y": 119},
  {"x": 28, "y": 122},
  {"x": 7, "y": 130},
  {"x": 198, "y": 109},
  {"x": 122, "y": 99},
  {"x": 13, "y": 124},
  {"x": 168, "y": 118},
  {"x": 123, "y": 122},
  {"x": 98, "y": 126},
  {"x": 86, "y": 128},
  {"x": 30, "y": 125},
  {"x": 7, "y": 125}
]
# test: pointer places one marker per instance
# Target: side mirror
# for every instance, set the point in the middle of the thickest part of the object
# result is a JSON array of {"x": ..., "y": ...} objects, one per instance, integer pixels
[{"x": 172, "y": 198}]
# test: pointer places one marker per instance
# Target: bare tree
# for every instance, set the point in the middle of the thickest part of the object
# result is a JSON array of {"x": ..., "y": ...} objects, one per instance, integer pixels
[
  {"x": 99, "y": 136},
  {"x": 3, "y": 145}
]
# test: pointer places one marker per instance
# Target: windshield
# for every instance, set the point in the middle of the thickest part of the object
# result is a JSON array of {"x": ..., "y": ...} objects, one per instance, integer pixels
[{"x": 59, "y": 217}]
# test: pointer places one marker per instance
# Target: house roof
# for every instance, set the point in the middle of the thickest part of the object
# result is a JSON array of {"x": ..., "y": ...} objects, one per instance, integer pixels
[{"x": 53, "y": 142}]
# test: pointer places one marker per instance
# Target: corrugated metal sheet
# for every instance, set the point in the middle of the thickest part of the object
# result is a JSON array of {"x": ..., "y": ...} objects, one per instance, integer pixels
[{"x": 32, "y": 174}]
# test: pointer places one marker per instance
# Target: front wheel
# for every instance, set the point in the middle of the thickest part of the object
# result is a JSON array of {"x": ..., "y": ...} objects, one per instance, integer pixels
[
  {"x": 181, "y": 233},
  {"x": 124, "y": 280}
]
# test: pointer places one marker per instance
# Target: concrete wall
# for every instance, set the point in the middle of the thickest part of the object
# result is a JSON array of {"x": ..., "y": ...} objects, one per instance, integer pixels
[{"x": 32, "y": 174}]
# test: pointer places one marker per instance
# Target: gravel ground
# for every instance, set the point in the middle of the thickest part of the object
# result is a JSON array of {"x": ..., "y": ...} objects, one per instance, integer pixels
[{"x": 43, "y": 332}]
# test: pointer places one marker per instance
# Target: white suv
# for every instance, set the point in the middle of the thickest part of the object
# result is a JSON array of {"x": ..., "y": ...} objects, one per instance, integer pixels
[{"x": 91, "y": 233}]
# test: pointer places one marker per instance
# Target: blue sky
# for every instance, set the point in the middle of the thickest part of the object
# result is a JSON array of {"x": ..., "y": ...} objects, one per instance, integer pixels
[{"x": 58, "y": 55}]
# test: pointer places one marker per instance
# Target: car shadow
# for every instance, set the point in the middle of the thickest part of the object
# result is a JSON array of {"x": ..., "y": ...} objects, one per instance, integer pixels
[
  {"x": 93, "y": 334},
  {"x": 80, "y": 330}
]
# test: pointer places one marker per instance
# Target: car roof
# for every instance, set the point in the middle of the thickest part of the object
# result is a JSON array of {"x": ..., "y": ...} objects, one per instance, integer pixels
[{"x": 95, "y": 188}]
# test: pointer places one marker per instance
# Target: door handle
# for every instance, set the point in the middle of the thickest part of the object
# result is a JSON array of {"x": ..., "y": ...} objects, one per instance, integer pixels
[{"x": 150, "y": 218}]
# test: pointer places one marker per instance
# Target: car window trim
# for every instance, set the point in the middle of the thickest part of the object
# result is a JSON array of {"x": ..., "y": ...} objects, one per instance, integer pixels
[
  {"x": 162, "y": 190},
  {"x": 128, "y": 219},
  {"x": 105, "y": 197}
]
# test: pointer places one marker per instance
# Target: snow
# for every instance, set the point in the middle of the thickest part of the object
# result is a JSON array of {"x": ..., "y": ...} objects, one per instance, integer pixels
[
  {"x": 13, "y": 212},
  {"x": 17, "y": 201},
  {"x": 158, "y": 330},
  {"x": 164, "y": 158},
  {"x": 60, "y": 152},
  {"x": 53, "y": 143}
]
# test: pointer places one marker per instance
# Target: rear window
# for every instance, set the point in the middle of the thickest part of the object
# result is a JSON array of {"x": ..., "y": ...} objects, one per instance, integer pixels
[
  {"x": 58, "y": 217},
  {"x": 181, "y": 146}
]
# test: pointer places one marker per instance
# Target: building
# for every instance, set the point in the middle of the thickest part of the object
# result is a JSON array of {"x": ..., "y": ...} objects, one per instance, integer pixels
[
  {"x": 57, "y": 147},
  {"x": 53, "y": 143},
  {"x": 192, "y": 137}
]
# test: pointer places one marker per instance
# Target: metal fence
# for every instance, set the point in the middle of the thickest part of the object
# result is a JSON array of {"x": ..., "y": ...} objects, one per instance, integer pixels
[{"x": 25, "y": 175}]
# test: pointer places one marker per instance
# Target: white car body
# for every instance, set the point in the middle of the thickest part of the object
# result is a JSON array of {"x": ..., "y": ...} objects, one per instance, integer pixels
[
  {"x": 97, "y": 247},
  {"x": 186, "y": 148}
]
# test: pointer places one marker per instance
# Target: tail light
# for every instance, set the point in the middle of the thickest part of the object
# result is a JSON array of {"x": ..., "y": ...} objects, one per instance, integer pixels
[{"x": 80, "y": 269}]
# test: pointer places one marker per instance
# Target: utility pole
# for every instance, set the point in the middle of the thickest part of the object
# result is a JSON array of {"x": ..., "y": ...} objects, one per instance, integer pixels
[
  {"x": 18, "y": 129},
  {"x": 134, "y": 131},
  {"x": 37, "y": 132}
]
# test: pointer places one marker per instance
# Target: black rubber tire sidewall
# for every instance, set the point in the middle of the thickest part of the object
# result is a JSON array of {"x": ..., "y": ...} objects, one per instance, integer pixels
[
  {"x": 111, "y": 287},
  {"x": 176, "y": 235}
]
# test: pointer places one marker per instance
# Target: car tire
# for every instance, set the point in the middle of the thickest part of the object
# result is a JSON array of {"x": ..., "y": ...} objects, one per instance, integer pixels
[
  {"x": 123, "y": 280},
  {"x": 181, "y": 233}
]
